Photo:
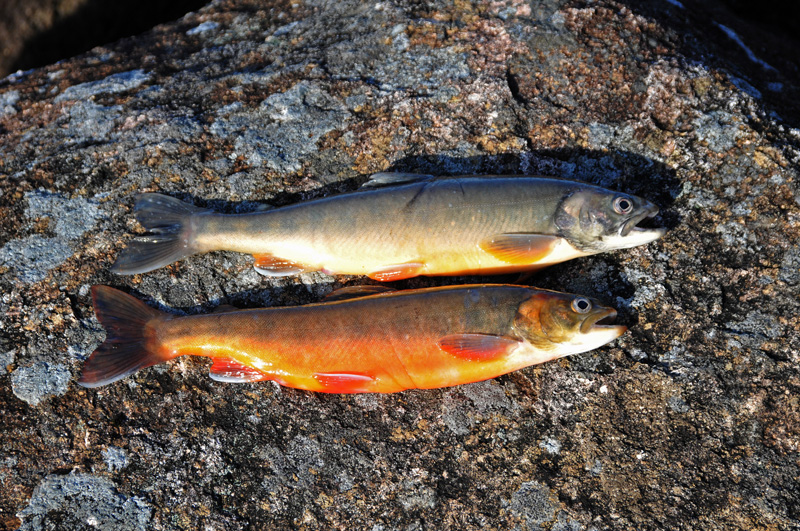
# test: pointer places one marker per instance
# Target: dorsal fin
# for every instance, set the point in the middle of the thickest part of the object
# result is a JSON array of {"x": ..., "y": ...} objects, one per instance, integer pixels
[
  {"x": 355, "y": 292},
  {"x": 389, "y": 178}
]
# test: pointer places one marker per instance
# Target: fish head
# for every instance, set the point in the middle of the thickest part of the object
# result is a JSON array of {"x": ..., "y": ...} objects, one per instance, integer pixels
[
  {"x": 559, "y": 324},
  {"x": 596, "y": 220}
]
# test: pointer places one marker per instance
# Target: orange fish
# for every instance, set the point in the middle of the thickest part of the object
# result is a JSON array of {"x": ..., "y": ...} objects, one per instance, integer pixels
[
  {"x": 361, "y": 340},
  {"x": 406, "y": 225}
]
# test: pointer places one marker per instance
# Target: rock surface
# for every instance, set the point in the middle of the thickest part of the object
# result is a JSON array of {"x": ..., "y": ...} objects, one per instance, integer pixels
[{"x": 689, "y": 421}]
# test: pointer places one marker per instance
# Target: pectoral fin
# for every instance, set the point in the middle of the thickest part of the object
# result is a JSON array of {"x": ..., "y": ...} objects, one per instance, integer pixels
[
  {"x": 343, "y": 382},
  {"x": 272, "y": 266},
  {"x": 520, "y": 248},
  {"x": 230, "y": 371},
  {"x": 477, "y": 347},
  {"x": 397, "y": 272}
]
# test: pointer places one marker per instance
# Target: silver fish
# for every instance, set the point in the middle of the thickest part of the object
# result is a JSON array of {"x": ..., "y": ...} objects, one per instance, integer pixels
[{"x": 404, "y": 225}]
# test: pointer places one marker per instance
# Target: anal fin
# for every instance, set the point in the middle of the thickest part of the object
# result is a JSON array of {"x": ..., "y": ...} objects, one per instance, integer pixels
[
  {"x": 272, "y": 266},
  {"x": 343, "y": 382},
  {"x": 520, "y": 248},
  {"x": 477, "y": 347},
  {"x": 394, "y": 272},
  {"x": 231, "y": 371}
]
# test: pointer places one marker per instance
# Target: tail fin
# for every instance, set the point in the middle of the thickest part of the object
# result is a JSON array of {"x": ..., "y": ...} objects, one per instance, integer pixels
[
  {"x": 127, "y": 347},
  {"x": 169, "y": 239}
]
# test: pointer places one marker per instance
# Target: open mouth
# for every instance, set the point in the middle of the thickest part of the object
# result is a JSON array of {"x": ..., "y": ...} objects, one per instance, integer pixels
[
  {"x": 640, "y": 222},
  {"x": 639, "y": 229},
  {"x": 602, "y": 321}
]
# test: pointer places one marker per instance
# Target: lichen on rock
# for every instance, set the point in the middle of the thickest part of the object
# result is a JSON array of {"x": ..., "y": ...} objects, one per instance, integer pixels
[
  {"x": 83, "y": 500},
  {"x": 689, "y": 420},
  {"x": 34, "y": 384}
]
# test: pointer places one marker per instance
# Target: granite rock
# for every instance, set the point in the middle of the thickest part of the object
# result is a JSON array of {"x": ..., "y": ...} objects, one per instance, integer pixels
[{"x": 691, "y": 420}]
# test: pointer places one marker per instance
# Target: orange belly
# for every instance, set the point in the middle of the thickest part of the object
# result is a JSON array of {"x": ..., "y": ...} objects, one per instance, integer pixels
[
  {"x": 382, "y": 343},
  {"x": 386, "y": 342}
]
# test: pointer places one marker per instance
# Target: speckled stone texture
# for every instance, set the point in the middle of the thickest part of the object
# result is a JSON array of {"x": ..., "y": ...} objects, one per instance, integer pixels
[{"x": 689, "y": 421}]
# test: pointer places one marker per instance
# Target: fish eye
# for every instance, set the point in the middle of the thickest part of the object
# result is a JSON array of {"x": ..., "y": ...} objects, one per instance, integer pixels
[
  {"x": 581, "y": 305},
  {"x": 622, "y": 205}
]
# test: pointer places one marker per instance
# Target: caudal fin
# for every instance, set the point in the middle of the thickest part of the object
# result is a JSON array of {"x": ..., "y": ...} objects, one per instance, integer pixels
[
  {"x": 127, "y": 347},
  {"x": 169, "y": 238}
]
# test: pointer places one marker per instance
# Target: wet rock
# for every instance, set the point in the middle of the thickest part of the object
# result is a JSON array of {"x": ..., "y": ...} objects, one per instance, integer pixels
[{"x": 690, "y": 420}]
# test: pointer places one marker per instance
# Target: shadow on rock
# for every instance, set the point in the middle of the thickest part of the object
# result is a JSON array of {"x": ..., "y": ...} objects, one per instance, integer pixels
[
  {"x": 280, "y": 199},
  {"x": 621, "y": 170}
]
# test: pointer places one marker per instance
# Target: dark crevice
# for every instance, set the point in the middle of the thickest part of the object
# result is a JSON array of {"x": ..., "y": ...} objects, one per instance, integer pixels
[
  {"x": 513, "y": 87},
  {"x": 734, "y": 332},
  {"x": 75, "y": 305}
]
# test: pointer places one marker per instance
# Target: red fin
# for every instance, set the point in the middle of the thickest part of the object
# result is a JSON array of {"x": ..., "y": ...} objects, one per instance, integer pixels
[
  {"x": 231, "y": 371},
  {"x": 396, "y": 272},
  {"x": 520, "y": 249},
  {"x": 477, "y": 347},
  {"x": 354, "y": 292},
  {"x": 271, "y": 266},
  {"x": 127, "y": 347},
  {"x": 343, "y": 382}
]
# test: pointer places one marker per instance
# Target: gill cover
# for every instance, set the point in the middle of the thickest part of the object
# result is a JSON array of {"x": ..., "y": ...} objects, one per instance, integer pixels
[
  {"x": 595, "y": 220},
  {"x": 565, "y": 324}
]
